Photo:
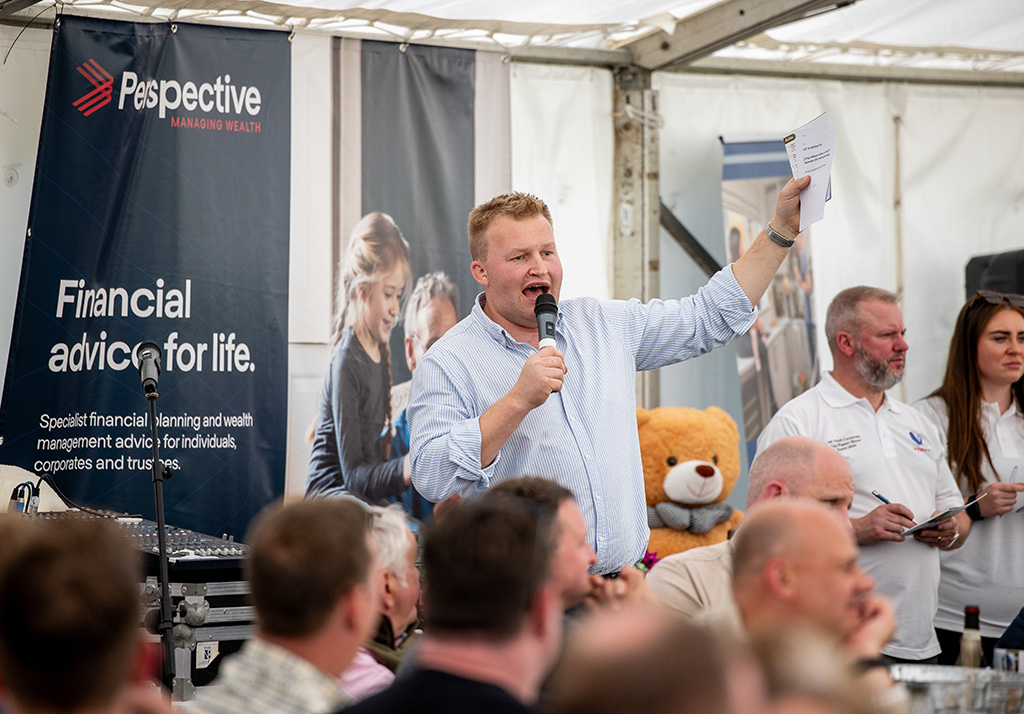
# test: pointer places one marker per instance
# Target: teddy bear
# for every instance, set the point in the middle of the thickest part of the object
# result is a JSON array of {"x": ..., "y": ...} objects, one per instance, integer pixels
[{"x": 691, "y": 461}]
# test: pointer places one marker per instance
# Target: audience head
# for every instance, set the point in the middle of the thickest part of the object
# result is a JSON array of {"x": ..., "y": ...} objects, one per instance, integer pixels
[
  {"x": 572, "y": 555},
  {"x": 801, "y": 467},
  {"x": 396, "y": 558},
  {"x": 642, "y": 660},
  {"x": 806, "y": 674},
  {"x": 795, "y": 560},
  {"x": 986, "y": 362},
  {"x": 69, "y": 614},
  {"x": 304, "y": 559},
  {"x": 487, "y": 568},
  {"x": 517, "y": 206},
  {"x": 864, "y": 329}
]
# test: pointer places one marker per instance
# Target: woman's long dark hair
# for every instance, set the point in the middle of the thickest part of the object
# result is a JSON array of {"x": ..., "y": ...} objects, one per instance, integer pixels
[{"x": 961, "y": 390}]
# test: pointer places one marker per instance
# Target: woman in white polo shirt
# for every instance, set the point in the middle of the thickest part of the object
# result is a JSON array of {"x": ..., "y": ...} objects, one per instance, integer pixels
[{"x": 979, "y": 409}]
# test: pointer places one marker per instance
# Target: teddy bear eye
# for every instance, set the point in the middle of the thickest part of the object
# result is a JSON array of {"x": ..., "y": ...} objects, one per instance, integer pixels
[
  {"x": 714, "y": 460},
  {"x": 672, "y": 461}
]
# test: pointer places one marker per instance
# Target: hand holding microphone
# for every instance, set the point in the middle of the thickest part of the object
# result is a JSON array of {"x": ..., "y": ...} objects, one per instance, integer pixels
[{"x": 544, "y": 371}]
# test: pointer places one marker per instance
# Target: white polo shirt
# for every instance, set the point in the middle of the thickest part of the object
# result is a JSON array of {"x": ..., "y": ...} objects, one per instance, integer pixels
[{"x": 898, "y": 452}]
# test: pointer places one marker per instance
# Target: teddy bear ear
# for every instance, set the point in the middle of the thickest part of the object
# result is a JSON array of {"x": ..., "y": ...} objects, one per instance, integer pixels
[
  {"x": 723, "y": 417},
  {"x": 642, "y": 417}
]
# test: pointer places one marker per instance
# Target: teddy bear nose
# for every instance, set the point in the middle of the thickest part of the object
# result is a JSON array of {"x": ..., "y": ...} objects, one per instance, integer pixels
[{"x": 705, "y": 471}]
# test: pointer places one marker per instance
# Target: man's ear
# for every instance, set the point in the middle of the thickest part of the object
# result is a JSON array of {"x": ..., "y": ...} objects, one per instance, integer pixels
[
  {"x": 410, "y": 358},
  {"x": 353, "y": 607},
  {"x": 778, "y": 578},
  {"x": 389, "y": 585},
  {"x": 145, "y": 663},
  {"x": 545, "y": 613},
  {"x": 846, "y": 343},
  {"x": 479, "y": 272}
]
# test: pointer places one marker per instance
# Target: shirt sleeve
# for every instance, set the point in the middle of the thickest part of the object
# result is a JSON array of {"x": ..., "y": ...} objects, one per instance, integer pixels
[
  {"x": 663, "y": 332},
  {"x": 445, "y": 431}
]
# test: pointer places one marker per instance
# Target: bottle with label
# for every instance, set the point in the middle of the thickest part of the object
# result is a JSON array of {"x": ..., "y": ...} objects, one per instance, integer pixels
[{"x": 970, "y": 642}]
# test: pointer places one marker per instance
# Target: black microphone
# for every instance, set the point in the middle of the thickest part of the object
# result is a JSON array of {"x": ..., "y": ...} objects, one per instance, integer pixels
[
  {"x": 148, "y": 356},
  {"x": 546, "y": 310}
]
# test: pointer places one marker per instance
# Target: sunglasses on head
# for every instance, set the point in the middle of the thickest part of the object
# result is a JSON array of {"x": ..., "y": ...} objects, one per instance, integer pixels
[{"x": 994, "y": 298}]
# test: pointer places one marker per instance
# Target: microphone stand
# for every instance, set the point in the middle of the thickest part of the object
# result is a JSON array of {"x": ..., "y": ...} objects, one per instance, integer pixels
[{"x": 166, "y": 619}]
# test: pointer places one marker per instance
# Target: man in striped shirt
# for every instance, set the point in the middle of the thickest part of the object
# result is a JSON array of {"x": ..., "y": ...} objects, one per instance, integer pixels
[{"x": 487, "y": 405}]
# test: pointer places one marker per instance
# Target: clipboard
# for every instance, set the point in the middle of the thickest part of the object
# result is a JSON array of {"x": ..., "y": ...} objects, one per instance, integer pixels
[{"x": 940, "y": 517}]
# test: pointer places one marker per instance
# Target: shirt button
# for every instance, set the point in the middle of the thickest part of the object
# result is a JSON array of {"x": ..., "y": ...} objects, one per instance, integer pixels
[
  {"x": 601, "y": 539},
  {"x": 597, "y": 496}
]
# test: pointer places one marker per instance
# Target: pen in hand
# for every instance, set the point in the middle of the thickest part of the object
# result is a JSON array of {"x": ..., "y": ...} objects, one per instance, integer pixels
[{"x": 883, "y": 499}]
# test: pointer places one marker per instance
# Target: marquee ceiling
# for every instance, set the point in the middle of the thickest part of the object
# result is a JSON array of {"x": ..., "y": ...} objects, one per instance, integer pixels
[{"x": 983, "y": 39}]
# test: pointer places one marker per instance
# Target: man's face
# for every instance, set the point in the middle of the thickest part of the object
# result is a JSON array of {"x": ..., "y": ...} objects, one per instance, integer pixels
[
  {"x": 573, "y": 555},
  {"x": 521, "y": 263},
  {"x": 406, "y": 598},
  {"x": 880, "y": 350},
  {"x": 434, "y": 318},
  {"x": 829, "y": 585}
]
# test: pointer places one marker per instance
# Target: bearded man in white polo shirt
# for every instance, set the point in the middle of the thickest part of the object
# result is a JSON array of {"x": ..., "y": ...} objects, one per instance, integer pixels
[{"x": 893, "y": 451}]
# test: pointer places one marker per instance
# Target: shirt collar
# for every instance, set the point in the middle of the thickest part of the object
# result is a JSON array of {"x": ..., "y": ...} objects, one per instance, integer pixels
[
  {"x": 836, "y": 396},
  {"x": 493, "y": 329}
]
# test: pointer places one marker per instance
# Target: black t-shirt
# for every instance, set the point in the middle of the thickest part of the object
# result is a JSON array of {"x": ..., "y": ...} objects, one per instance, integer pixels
[{"x": 425, "y": 691}]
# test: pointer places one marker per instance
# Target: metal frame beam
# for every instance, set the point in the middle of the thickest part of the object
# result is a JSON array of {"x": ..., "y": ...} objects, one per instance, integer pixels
[
  {"x": 719, "y": 26},
  {"x": 636, "y": 203}
]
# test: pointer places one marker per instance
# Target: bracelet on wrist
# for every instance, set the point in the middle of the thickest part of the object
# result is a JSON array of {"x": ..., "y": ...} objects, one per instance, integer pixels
[
  {"x": 974, "y": 510},
  {"x": 776, "y": 237}
]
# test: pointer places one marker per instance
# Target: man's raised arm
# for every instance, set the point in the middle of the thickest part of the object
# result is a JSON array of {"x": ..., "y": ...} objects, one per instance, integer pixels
[{"x": 756, "y": 268}]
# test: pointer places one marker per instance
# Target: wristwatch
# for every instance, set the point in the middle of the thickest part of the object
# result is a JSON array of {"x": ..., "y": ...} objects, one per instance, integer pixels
[{"x": 974, "y": 510}]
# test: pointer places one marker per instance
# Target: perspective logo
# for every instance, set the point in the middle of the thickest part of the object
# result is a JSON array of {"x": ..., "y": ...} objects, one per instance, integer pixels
[{"x": 103, "y": 88}]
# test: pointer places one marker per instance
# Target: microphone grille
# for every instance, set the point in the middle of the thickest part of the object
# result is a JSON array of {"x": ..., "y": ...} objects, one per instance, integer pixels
[{"x": 545, "y": 303}]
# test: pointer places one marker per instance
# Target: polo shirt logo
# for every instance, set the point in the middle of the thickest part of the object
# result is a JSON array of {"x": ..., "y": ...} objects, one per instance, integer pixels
[{"x": 919, "y": 440}]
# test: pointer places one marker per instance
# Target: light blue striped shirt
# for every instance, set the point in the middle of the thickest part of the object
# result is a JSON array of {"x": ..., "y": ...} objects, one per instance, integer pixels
[{"x": 584, "y": 436}]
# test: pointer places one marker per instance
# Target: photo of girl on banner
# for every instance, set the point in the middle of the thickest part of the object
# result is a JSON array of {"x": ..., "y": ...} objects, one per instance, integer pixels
[{"x": 352, "y": 441}]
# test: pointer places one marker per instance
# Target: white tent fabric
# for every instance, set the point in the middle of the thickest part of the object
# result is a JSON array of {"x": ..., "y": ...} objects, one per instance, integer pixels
[{"x": 924, "y": 34}]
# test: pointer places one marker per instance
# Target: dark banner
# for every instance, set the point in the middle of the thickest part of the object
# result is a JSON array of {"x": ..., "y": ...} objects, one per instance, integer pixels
[
  {"x": 159, "y": 212},
  {"x": 417, "y": 147}
]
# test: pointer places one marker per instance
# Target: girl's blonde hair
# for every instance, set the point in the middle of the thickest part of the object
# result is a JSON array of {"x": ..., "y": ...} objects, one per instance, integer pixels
[{"x": 376, "y": 247}]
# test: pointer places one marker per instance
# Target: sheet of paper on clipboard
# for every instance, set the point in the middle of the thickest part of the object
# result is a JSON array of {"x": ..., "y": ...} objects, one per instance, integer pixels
[{"x": 940, "y": 517}]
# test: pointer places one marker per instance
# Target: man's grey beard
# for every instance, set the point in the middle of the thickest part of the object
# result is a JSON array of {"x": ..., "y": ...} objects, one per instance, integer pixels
[{"x": 874, "y": 373}]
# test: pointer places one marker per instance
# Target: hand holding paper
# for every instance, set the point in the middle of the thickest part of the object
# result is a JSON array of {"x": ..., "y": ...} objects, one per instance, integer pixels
[
  {"x": 940, "y": 517},
  {"x": 810, "y": 150}
]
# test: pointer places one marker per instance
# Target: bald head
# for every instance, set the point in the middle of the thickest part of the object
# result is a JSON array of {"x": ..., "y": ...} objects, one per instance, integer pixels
[
  {"x": 802, "y": 467},
  {"x": 685, "y": 668},
  {"x": 795, "y": 560}
]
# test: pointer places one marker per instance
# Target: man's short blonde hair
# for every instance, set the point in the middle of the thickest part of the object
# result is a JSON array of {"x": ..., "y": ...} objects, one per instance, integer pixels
[{"x": 516, "y": 205}]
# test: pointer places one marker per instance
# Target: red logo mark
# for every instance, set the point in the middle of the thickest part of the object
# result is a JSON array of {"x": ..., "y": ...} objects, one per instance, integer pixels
[{"x": 103, "y": 87}]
